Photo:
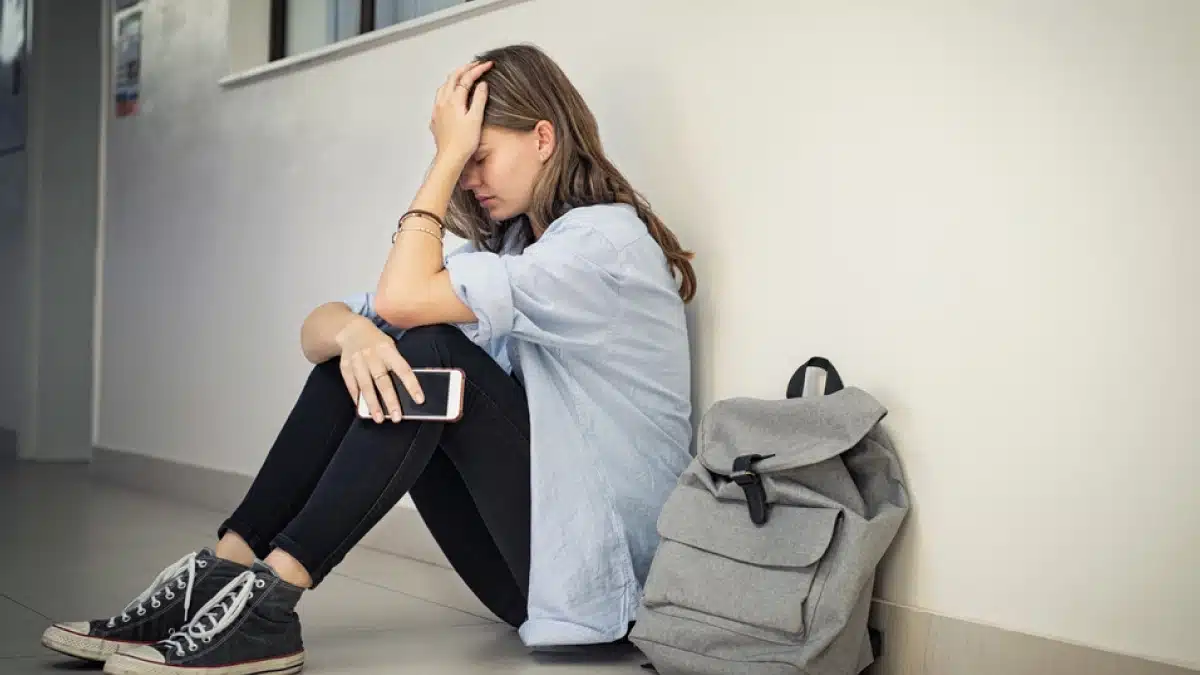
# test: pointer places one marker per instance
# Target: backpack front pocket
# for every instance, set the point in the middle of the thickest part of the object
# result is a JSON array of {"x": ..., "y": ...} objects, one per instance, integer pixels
[{"x": 714, "y": 560}]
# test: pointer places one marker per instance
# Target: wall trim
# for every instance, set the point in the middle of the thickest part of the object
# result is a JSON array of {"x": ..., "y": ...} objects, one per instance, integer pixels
[
  {"x": 402, "y": 532},
  {"x": 915, "y": 641}
]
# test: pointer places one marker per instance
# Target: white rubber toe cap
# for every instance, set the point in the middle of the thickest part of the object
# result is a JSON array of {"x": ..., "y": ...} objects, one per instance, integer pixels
[{"x": 72, "y": 639}]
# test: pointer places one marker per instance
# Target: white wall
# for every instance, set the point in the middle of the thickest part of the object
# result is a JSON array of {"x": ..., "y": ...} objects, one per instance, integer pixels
[
  {"x": 985, "y": 212},
  {"x": 13, "y": 278},
  {"x": 14, "y": 289},
  {"x": 48, "y": 235},
  {"x": 64, "y": 179}
]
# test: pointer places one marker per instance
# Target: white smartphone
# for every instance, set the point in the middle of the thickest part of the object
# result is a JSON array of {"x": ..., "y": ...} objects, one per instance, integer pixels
[{"x": 443, "y": 389}]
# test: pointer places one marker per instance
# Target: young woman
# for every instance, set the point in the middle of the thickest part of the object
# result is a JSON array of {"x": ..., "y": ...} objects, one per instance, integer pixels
[{"x": 566, "y": 313}]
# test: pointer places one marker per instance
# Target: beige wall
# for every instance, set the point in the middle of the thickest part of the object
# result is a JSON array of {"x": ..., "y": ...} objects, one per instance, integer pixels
[{"x": 985, "y": 212}]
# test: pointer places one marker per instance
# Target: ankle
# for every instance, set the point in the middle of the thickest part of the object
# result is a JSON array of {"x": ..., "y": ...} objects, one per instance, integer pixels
[
  {"x": 235, "y": 549},
  {"x": 289, "y": 569}
]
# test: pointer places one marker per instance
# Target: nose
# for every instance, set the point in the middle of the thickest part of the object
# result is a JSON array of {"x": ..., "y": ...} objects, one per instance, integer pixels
[{"x": 469, "y": 180}]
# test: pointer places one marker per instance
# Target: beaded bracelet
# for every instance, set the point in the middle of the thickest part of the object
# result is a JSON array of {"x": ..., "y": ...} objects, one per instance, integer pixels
[
  {"x": 431, "y": 233},
  {"x": 422, "y": 214}
]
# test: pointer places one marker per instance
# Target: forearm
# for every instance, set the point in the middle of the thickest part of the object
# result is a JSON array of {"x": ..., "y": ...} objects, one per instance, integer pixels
[
  {"x": 416, "y": 258},
  {"x": 318, "y": 335}
]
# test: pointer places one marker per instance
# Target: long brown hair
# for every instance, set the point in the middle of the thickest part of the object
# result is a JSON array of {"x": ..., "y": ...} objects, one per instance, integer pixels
[{"x": 524, "y": 87}]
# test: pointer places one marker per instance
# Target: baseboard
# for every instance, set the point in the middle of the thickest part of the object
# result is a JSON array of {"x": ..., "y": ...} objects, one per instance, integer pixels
[
  {"x": 915, "y": 642},
  {"x": 401, "y": 532},
  {"x": 8, "y": 445}
]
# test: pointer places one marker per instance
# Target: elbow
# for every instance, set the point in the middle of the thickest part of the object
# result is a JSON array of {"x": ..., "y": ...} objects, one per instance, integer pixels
[{"x": 397, "y": 309}]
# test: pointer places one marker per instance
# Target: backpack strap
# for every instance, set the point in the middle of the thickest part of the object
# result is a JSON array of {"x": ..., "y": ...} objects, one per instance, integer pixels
[{"x": 833, "y": 381}]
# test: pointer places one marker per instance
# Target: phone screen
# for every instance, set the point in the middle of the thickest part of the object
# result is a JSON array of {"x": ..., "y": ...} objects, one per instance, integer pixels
[{"x": 435, "y": 385}]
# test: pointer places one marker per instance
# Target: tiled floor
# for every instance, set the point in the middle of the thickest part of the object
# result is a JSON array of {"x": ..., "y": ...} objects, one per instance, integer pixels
[{"x": 72, "y": 549}]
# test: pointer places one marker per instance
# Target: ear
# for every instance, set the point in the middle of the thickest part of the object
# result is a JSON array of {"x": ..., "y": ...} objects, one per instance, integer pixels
[{"x": 547, "y": 140}]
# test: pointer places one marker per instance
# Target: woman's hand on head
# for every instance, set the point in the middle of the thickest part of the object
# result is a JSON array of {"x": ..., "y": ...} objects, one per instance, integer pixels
[
  {"x": 457, "y": 122},
  {"x": 368, "y": 357}
]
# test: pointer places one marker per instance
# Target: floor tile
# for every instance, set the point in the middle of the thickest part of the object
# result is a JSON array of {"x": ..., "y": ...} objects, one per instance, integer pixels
[
  {"x": 92, "y": 581},
  {"x": 342, "y": 605},
  {"x": 45, "y": 664},
  {"x": 419, "y": 579},
  {"x": 473, "y": 650},
  {"x": 20, "y": 631}
]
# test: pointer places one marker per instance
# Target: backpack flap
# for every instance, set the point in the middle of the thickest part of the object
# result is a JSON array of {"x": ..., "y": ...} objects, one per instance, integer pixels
[
  {"x": 785, "y": 434},
  {"x": 800, "y": 537}
]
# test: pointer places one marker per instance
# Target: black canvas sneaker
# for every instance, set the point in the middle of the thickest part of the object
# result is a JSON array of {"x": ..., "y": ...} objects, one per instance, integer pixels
[
  {"x": 249, "y": 627},
  {"x": 170, "y": 601}
]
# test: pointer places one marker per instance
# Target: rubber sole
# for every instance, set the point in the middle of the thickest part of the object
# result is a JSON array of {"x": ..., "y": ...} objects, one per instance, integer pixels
[
  {"x": 80, "y": 646},
  {"x": 130, "y": 664}
]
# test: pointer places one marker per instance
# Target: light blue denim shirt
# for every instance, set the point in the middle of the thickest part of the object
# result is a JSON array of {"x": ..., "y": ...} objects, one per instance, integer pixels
[{"x": 590, "y": 319}]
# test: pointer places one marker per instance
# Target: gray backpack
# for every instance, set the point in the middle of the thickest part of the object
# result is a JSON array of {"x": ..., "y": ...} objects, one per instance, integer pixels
[{"x": 771, "y": 539}]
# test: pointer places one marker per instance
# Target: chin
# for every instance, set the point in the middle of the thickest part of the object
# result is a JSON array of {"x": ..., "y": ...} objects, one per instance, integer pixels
[{"x": 500, "y": 214}]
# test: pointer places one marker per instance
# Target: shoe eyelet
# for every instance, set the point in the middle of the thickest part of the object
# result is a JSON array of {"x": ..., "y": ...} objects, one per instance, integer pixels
[
  {"x": 154, "y": 602},
  {"x": 259, "y": 583},
  {"x": 141, "y": 611},
  {"x": 182, "y": 585},
  {"x": 207, "y": 640},
  {"x": 202, "y": 564},
  {"x": 169, "y": 594},
  {"x": 193, "y": 648}
]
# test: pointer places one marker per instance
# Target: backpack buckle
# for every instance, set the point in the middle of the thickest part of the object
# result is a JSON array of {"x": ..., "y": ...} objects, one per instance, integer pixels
[
  {"x": 751, "y": 483},
  {"x": 745, "y": 478}
]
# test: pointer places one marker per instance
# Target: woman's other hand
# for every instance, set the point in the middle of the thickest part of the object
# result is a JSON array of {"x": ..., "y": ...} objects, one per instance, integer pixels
[
  {"x": 368, "y": 356},
  {"x": 457, "y": 122}
]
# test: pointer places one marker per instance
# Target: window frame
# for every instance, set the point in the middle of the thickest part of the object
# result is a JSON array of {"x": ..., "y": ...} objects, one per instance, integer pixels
[{"x": 277, "y": 49}]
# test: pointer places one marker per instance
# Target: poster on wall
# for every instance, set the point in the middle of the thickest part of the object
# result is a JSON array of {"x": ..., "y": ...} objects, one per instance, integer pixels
[{"x": 128, "y": 61}]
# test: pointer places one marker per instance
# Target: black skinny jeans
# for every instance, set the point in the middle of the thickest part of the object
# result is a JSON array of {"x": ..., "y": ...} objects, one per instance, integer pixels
[{"x": 331, "y": 476}]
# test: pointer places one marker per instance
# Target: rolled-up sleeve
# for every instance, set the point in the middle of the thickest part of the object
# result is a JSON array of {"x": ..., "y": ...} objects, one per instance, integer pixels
[
  {"x": 561, "y": 291},
  {"x": 363, "y": 304}
]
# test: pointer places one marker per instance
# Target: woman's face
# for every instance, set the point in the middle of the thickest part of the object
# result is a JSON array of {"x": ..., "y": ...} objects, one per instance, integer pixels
[{"x": 504, "y": 170}]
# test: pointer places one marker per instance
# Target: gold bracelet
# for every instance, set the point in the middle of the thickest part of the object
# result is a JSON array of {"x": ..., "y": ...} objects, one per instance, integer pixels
[{"x": 415, "y": 229}]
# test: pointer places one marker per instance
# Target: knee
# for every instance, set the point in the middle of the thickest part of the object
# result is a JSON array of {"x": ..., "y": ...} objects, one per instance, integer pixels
[
  {"x": 429, "y": 346},
  {"x": 439, "y": 334},
  {"x": 328, "y": 368}
]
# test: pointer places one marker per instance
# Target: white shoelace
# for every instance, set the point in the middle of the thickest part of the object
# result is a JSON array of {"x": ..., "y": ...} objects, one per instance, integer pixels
[
  {"x": 237, "y": 592},
  {"x": 162, "y": 584}
]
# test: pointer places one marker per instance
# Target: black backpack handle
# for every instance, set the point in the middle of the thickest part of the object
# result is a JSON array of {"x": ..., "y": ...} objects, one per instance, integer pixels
[{"x": 833, "y": 381}]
